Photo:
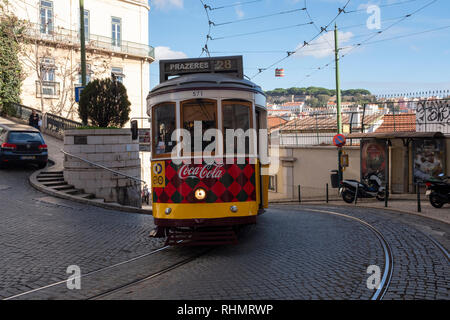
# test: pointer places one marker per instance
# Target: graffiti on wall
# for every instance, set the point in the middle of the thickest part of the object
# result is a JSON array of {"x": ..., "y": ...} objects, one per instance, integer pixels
[{"x": 433, "y": 116}]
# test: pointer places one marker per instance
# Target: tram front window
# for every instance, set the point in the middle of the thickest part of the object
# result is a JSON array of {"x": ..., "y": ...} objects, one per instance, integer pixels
[
  {"x": 163, "y": 126},
  {"x": 199, "y": 110},
  {"x": 236, "y": 115}
]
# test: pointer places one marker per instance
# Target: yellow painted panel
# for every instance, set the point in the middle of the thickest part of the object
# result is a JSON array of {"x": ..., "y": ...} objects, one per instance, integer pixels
[
  {"x": 204, "y": 210},
  {"x": 159, "y": 174}
]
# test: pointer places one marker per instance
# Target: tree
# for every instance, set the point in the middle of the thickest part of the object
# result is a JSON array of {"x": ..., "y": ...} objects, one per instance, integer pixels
[
  {"x": 104, "y": 102},
  {"x": 11, "y": 29}
]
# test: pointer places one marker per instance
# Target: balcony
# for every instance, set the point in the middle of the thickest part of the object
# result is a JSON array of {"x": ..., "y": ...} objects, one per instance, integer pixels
[{"x": 70, "y": 37}]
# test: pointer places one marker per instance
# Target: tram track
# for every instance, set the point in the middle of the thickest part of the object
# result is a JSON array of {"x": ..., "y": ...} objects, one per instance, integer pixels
[
  {"x": 149, "y": 277},
  {"x": 119, "y": 287},
  {"x": 116, "y": 287},
  {"x": 388, "y": 256}
]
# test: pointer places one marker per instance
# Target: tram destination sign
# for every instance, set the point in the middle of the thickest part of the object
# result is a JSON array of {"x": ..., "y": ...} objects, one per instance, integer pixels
[{"x": 232, "y": 65}]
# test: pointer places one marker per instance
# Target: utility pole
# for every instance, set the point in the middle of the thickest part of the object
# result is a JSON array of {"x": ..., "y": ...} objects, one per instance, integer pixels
[
  {"x": 338, "y": 98},
  {"x": 83, "y": 47}
]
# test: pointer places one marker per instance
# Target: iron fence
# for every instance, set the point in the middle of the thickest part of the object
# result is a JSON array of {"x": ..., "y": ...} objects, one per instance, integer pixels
[
  {"x": 58, "y": 125},
  {"x": 50, "y": 123},
  {"x": 23, "y": 112},
  {"x": 317, "y": 128}
]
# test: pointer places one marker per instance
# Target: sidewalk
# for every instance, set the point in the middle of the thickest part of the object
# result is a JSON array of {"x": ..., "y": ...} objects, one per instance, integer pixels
[
  {"x": 54, "y": 151},
  {"x": 399, "y": 203}
]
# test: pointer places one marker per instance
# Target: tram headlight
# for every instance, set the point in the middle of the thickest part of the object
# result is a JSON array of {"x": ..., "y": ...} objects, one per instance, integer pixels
[
  {"x": 200, "y": 194},
  {"x": 168, "y": 211}
]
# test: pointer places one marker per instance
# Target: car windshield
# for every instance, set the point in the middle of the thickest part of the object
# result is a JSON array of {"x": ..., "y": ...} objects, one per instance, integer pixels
[{"x": 24, "y": 137}]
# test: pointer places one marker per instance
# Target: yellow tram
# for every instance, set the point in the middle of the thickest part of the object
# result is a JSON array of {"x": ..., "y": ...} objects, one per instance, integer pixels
[{"x": 206, "y": 175}]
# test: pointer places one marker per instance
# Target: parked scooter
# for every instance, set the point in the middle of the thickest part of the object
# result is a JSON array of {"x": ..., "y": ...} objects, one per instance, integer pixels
[
  {"x": 370, "y": 187},
  {"x": 438, "y": 191}
]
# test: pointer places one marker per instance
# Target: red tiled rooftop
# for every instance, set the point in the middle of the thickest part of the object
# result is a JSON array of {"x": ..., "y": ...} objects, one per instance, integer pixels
[
  {"x": 327, "y": 122},
  {"x": 404, "y": 122},
  {"x": 275, "y": 122}
]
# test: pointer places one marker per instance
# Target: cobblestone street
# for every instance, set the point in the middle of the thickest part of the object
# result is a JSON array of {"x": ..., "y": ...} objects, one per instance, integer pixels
[{"x": 294, "y": 252}]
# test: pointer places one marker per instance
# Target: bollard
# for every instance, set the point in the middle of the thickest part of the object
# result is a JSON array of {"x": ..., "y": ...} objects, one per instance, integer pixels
[
  {"x": 327, "y": 192},
  {"x": 356, "y": 193},
  {"x": 419, "y": 207},
  {"x": 299, "y": 195},
  {"x": 386, "y": 195}
]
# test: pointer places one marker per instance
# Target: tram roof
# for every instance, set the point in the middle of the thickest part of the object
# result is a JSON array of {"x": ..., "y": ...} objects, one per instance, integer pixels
[{"x": 205, "y": 81}]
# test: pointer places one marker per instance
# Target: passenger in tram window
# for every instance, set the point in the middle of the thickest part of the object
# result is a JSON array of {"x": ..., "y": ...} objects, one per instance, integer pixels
[
  {"x": 164, "y": 124},
  {"x": 168, "y": 137}
]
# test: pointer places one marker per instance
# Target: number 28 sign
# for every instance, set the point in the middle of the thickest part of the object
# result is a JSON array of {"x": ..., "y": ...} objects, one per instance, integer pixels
[{"x": 158, "y": 174}]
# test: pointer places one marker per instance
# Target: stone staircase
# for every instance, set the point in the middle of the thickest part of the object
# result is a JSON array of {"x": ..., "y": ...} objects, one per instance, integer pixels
[{"x": 55, "y": 181}]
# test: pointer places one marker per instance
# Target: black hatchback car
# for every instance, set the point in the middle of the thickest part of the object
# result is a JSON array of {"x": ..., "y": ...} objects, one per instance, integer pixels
[{"x": 22, "y": 144}]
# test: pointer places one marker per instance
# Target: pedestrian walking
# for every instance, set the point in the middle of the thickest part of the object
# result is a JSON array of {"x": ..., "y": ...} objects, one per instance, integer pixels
[{"x": 34, "y": 120}]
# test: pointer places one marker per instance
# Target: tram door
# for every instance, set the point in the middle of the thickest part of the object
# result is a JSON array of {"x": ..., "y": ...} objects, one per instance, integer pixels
[{"x": 258, "y": 126}]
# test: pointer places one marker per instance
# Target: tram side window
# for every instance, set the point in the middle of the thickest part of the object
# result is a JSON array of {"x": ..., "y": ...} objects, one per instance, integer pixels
[
  {"x": 236, "y": 115},
  {"x": 201, "y": 110},
  {"x": 163, "y": 126}
]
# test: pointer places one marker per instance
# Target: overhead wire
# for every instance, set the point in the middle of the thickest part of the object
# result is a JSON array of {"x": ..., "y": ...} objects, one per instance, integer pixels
[
  {"x": 260, "y": 31},
  {"x": 315, "y": 25},
  {"x": 258, "y": 17},
  {"x": 366, "y": 42},
  {"x": 399, "y": 37},
  {"x": 232, "y": 5},
  {"x": 208, "y": 36},
  {"x": 382, "y": 6},
  {"x": 393, "y": 24},
  {"x": 305, "y": 43}
]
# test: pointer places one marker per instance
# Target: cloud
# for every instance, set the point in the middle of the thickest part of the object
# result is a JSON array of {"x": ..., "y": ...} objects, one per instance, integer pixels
[
  {"x": 162, "y": 53},
  {"x": 323, "y": 46},
  {"x": 239, "y": 12},
  {"x": 167, "y": 4}
]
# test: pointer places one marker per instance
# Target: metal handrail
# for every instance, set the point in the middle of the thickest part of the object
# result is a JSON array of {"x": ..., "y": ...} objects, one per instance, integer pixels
[{"x": 103, "y": 167}]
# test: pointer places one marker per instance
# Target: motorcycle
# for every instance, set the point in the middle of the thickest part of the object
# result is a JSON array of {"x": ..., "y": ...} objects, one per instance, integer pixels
[
  {"x": 438, "y": 191},
  {"x": 370, "y": 187}
]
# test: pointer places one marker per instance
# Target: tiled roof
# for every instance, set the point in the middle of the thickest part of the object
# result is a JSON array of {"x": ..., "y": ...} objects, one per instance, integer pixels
[
  {"x": 274, "y": 122},
  {"x": 404, "y": 122},
  {"x": 292, "y": 104},
  {"x": 327, "y": 122}
]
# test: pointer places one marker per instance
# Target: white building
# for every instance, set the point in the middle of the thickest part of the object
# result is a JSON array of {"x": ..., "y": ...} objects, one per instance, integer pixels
[{"x": 116, "y": 43}]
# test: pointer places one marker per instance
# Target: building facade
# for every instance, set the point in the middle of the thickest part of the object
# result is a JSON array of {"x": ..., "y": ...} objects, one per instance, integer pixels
[{"x": 116, "y": 33}]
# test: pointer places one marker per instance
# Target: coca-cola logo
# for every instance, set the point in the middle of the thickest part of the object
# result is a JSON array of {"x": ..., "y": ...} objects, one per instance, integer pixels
[{"x": 213, "y": 171}]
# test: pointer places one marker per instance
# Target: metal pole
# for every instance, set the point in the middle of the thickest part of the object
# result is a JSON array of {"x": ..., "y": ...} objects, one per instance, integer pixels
[
  {"x": 356, "y": 193},
  {"x": 83, "y": 47},
  {"x": 299, "y": 195},
  {"x": 419, "y": 207},
  {"x": 338, "y": 87},
  {"x": 386, "y": 195},
  {"x": 327, "y": 192},
  {"x": 338, "y": 98}
]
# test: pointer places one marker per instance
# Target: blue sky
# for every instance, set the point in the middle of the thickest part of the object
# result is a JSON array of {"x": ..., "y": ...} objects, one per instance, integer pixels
[{"x": 178, "y": 28}]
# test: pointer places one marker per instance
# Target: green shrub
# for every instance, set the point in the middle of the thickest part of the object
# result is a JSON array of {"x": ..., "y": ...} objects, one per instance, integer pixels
[{"x": 104, "y": 103}]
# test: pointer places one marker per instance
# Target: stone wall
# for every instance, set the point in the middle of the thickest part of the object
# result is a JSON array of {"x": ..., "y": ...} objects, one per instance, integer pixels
[{"x": 111, "y": 148}]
